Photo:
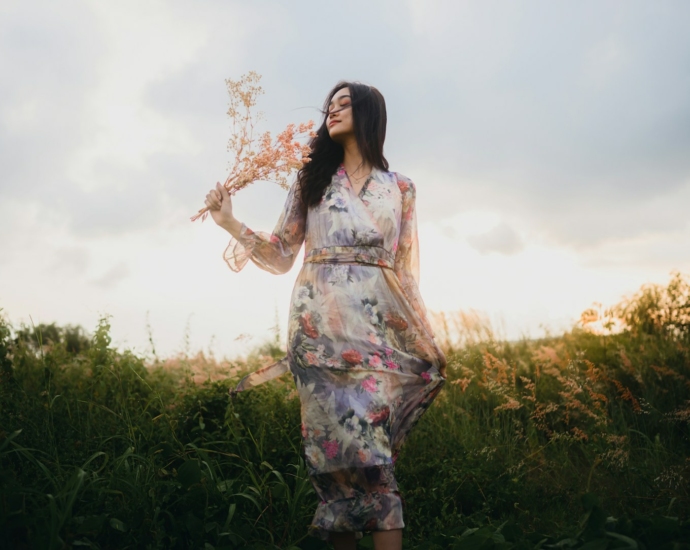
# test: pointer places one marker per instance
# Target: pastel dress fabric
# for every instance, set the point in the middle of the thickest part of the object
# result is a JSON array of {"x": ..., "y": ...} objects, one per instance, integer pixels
[{"x": 360, "y": 347}]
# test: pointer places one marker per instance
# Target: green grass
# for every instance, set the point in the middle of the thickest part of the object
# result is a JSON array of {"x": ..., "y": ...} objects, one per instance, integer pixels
[{"x": 572, "y": 441}]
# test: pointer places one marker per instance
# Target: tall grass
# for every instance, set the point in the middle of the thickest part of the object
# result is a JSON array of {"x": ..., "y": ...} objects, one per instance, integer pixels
[{"x": 526, "y": 447}]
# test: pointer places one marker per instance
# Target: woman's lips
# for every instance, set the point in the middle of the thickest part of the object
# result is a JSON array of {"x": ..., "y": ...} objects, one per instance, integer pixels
[{"x": 332, "y": 122}]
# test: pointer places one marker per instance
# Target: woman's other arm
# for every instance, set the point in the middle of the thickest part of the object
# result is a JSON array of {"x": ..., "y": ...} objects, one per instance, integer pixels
[{"x": 407, "y": 257}]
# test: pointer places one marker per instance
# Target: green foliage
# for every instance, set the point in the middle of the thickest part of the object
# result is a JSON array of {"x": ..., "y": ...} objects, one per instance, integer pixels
[
  {"x": 578, "y": 441},
  {"x": 657, "y": 310},
  {"x": 72, "y": 338}
]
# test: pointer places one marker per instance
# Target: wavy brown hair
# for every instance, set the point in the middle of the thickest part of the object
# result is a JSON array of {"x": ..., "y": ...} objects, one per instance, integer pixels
[{"x": 369, "y": 126}]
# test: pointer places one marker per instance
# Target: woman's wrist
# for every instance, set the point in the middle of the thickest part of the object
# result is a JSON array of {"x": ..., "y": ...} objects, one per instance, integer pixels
[{"x": 233, "y": 226}]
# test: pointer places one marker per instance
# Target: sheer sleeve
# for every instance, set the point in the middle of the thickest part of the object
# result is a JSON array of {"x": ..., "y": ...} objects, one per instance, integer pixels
[
  {"x": 407, "y": 253},
  {"x": 275, "y": 253}
]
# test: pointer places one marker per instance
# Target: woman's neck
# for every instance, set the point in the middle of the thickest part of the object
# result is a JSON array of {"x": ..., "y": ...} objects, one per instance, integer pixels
[{"x": 353, "y": 162}]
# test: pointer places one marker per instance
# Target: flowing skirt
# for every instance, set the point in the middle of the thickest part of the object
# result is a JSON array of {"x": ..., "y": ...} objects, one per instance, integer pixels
[{"x": 366, "y": 369}]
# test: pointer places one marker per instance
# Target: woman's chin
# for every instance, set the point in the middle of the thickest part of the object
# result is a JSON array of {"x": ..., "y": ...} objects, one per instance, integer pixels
[{"x": 338, "y": 137}]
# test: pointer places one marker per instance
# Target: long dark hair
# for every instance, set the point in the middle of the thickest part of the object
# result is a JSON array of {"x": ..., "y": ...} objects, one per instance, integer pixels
[{"x": 369, "y": 126}]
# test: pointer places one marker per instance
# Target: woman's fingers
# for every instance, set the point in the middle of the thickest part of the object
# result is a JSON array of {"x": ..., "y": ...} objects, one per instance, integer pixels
[
  {"x": 212, "y": 200},
  {"x": 219, "y": 203},
  {"x": 223, "y": 191}
]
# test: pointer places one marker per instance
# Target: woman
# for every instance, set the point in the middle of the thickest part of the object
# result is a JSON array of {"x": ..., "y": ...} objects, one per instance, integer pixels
[{"x": 360, "y": 347}]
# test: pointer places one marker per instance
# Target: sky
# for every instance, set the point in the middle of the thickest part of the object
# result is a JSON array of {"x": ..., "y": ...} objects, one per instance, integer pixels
[{"x": 549, "y": 143}]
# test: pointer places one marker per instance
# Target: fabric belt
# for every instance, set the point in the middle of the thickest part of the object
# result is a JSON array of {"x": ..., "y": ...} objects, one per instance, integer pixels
[{"x": 368, "y": 255}]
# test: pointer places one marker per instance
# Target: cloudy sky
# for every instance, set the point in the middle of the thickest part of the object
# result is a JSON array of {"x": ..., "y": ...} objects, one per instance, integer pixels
[{"x": 549, "y": 141}]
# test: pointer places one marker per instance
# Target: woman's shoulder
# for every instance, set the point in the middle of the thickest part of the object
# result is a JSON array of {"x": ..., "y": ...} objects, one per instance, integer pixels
[{"x": 405, "y": 184}]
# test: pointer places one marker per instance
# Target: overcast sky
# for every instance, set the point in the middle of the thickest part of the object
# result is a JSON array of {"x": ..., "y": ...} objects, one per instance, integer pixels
[{"x": 549, "y": 141}]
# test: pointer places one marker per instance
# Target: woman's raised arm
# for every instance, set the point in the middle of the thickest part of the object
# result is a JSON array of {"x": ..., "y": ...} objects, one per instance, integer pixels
[{"x": 275, "y": 253}]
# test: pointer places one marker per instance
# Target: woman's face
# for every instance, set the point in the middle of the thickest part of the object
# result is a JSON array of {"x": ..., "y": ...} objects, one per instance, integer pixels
[{"x": 339, "y": 120}]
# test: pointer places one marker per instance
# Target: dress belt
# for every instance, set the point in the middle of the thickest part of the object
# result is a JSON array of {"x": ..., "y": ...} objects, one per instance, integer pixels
[{"x": 368, "y": 255}]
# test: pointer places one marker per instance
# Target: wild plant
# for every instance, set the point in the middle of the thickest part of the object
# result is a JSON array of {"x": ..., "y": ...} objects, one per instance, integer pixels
[{"x": 102, "y": 448}]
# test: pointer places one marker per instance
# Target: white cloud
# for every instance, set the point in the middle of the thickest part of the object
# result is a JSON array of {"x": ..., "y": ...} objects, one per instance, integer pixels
[
  {"x": 112, "y": 277},
  {"x": 74, "y": 259},
  {"x": 502, "y": 239},
  {"x": 554, "y": 136}
]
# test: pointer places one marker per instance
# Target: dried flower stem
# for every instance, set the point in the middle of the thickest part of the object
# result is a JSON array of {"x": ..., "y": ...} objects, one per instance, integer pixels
[{"x": 262, "y": 158}]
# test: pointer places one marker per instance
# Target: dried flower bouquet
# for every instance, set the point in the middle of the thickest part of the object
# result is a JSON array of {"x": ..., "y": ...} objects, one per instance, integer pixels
[{"x": 259, "y": 158}]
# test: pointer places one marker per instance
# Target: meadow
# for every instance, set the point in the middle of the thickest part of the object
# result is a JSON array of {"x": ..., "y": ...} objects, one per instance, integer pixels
[{"x": 578, "y": 440}]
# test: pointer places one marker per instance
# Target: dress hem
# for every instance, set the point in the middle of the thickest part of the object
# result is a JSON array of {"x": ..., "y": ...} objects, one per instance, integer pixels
[{"x": 358, "y": 514}]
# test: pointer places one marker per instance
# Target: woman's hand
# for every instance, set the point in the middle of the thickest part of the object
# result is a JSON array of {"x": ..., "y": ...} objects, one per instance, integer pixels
[{"x": 219, "y": 204}]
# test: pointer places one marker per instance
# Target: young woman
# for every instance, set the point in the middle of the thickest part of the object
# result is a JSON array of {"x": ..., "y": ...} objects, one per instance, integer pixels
[{"x": 360, "y": 347}]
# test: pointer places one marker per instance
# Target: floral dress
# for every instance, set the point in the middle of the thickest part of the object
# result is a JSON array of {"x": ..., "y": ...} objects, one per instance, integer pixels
[{"x": 360, "y": 347}]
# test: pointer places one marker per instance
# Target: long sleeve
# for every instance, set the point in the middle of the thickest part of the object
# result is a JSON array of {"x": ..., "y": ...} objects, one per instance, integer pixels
[
  {"x": 407, "y": 253},
  {"x": 407, "y": 261},
  {"x": 275, "y": 253}
]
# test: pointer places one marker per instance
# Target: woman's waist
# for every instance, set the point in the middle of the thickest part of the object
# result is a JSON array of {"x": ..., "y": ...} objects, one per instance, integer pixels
[{"x": 358, "y": 254}]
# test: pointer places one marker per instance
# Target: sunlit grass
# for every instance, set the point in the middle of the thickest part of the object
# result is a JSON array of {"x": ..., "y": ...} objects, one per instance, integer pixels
[{"x": 528, "y": 444}]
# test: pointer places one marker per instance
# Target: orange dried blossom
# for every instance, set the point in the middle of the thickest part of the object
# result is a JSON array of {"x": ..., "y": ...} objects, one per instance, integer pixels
[{"x": 259, "y": 158}]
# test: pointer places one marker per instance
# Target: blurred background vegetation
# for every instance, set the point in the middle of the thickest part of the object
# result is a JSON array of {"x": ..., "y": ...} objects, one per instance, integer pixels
[{"x": 579, "y": 440}]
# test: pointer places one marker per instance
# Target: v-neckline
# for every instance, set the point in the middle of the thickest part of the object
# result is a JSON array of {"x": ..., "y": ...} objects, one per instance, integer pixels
[
  {"x": 360, "y": 194},
  {"x": 360, "y": 208}
]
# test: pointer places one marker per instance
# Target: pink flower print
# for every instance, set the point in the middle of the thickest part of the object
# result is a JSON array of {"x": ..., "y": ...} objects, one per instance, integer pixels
[
  {"x": 331, "y": 448},
  {"x": 426, "y": 376},
  {"x": 312, "y": 358},
  {"x": 375, "y": 361},
  {"x": 333, "y": 362},
  {"x": 352, "y": 356},
  {"x": 374, "y": 339},
  {"x": 388, "y": 352},
  {"x": 308, "y": 325},
  {"x": 379, "y": 416},
  {"x": 391, "y": 365},
  {"x": 369, "y": 384},
  {"x": 378, "y": 505},
  {"x": 274, "y": 239},
  {"x": 364, "y": 455}
]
